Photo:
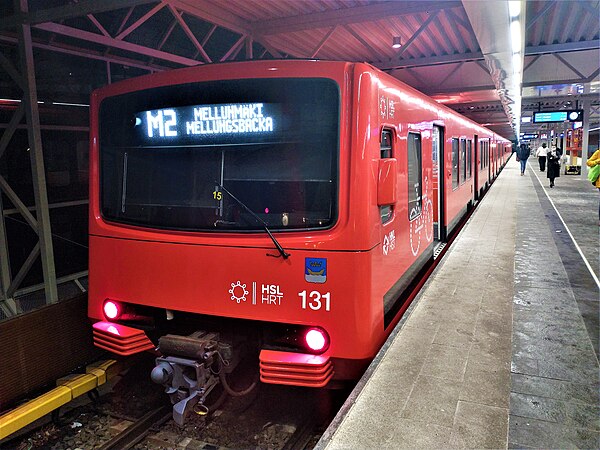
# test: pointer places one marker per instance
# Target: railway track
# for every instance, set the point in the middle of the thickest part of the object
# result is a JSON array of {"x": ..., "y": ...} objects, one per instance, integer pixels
[
  {"x": 139, "y": 429},
  {"x": 302, "y": 436},
  {"x": 147, "y": 432},
  {"x": 276, "y": 418}
]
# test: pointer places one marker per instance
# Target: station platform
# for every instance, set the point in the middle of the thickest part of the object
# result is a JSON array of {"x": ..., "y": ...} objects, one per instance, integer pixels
[{"x": 500, "y": 347}]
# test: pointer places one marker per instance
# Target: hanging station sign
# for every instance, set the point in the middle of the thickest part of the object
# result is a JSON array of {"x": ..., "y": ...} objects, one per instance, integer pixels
[{"x": 575, "y": 115}]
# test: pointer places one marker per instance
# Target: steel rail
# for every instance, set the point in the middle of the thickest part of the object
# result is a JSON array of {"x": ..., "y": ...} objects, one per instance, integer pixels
[
  {"x": 301, "y": 437},
  {"x": 138, "y": 430}
]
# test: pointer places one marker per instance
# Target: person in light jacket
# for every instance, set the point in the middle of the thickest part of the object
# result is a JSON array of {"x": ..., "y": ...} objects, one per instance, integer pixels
[
  {"x": 541, "y": 156},
  {"x": 594, "y": 161}
]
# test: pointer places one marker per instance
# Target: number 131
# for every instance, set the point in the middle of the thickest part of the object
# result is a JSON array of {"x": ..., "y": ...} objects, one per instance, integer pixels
[{"x": 315, "y": 300}]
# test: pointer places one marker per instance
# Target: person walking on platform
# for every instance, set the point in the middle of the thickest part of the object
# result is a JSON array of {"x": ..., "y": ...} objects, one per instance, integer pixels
[
  {"x": 541, "y": 156},
  {"x": 593, "y": 162},
  {"x": 523, "y": 153},
  {"x": 553, "y": 158}
]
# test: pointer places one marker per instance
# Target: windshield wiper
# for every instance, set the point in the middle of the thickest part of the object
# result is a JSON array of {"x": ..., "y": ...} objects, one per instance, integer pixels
[{"x": 282, "y": 252}]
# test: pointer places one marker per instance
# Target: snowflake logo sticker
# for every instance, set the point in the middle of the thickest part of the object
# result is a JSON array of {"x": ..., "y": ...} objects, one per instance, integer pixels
[{"x": 238, "y": 292}]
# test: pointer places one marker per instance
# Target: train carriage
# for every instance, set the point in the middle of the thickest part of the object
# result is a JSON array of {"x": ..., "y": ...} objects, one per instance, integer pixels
[{"x": 278, "y": 206}]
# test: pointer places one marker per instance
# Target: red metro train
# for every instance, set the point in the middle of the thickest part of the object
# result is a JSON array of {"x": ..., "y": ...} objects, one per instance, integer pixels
[{"x": 277, "y": 209}]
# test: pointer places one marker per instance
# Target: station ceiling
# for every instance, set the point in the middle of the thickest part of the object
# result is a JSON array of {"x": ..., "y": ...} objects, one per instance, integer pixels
[{"x": 447, "y": 46}]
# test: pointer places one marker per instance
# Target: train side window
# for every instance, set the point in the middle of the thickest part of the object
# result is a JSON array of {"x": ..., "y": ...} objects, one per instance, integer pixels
[
  {"x": 463, "y": 160},
  {"x": 485, "y": 154},
  {"x": 414, "y": 176},
  {"x": 469, "y": 158},
  {"x": 482, "y": 155},
  {"x": 385, "y": 150},
  {"x": 454, "y": 163}
]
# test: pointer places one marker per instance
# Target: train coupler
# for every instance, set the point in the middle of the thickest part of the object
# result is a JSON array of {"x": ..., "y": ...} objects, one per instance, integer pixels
[{"x": 189, "y": 370}]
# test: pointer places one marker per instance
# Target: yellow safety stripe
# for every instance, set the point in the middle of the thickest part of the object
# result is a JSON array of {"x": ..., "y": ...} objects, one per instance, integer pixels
[{"x": 67, "y": 389}]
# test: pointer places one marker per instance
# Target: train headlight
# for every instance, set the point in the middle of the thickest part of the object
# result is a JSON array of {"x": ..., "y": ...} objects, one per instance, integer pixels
[
  {"x": 317, "y": 340},
  {"x": 112, "y": 310}
]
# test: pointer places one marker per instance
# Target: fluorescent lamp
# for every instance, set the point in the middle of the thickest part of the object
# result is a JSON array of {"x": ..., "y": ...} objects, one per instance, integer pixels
[
  {"x": 515, "y": 36},
  {"x": 514, "y": 8},
  {"x": 516, "y": 63}
]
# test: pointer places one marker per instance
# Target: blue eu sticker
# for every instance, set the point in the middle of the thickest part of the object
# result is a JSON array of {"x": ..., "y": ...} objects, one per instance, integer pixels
[{"x": 315, "y": 270}]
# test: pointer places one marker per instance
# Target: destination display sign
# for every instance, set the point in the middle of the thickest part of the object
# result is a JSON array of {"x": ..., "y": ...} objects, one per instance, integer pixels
[
  {"x": 222, "y": 123},
  {"x": 558, "y": 116}
]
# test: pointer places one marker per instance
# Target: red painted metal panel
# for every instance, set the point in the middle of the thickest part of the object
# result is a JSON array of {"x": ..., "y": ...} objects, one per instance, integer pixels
[
  {"x": 120, "y": 339},
  {"x": 386, "y": 187}
]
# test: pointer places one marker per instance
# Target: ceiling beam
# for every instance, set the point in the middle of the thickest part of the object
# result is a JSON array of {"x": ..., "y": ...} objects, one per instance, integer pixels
[
  {"x": 430, "y": 61},
  {"x": 211, "y": 13},
  {"x": 415, "y": 35},
  {"x": 233, "y": 48},
  {"x": 189, "y": 33},
  {"x": 66, "y": 49},
  {"x": 275, "y": 52},
  {"x": 208, "y": 35},
  {"x": 539, "y": 14},
  {"x": 563, "y": 48},
  {"x": 491, "y": 105},
  {"x": 552, "y": 82},
  {"x": 125, "y": 19},
  {"x": 11, "y": 70},
  {"x": 98, "y": 25},
  {"x": 347, "y": 16},
  {"x": 322, "y": 43},
  {"x": 454, "y": 90},
  {"x": 569, "y": 65},
  {"x": 558, "y": 98},
  {"x": 167, "y": 34},
  {"x": 525, "y": 84},
  {"x": 68, "y": 11},
  {"x": 208, "y": 12},
  {"x": 589, "y": 8},
  {"x": 140, "y": 21},
  {"x": 111, "y": 42},
  {"x": 364, "y": 43}
]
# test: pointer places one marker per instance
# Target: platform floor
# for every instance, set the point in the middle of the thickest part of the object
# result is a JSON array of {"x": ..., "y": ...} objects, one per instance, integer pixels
[{"x": 500, "y": 348}]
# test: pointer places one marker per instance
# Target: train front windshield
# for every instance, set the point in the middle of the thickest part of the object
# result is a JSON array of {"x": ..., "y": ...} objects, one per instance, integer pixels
[{"x": 175, "y": 157}]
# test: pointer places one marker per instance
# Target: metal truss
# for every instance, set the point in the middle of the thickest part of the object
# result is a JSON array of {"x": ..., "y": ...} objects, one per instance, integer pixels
[{"x": 25, "y": 79}]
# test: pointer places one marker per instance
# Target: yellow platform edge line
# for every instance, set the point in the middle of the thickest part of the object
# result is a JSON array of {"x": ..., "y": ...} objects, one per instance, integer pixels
[{"x": 67, "y": 389}]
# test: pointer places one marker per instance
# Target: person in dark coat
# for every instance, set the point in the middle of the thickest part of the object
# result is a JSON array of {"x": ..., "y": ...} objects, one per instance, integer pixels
[
  {"x": 523, "y": 153},
  {"x": 553, "y": 159}
]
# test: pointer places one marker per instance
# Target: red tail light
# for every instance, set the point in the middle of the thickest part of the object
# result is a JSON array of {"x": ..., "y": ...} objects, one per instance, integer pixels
[
  {"x": 317, "y": 340},
  {"x": 112, "y": 309}
]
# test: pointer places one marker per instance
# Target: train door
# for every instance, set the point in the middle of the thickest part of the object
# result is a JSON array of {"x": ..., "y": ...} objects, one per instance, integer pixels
[
  {"x": 475, "y": 162},
  {"x": 491, "y": 162},
  {"x": 438, "y": 181}
]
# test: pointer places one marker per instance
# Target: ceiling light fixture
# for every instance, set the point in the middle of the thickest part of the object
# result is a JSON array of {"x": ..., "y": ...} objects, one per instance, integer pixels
[
  {"x": 514, "y": 8},
  {"x": 396, "y": 42}
]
